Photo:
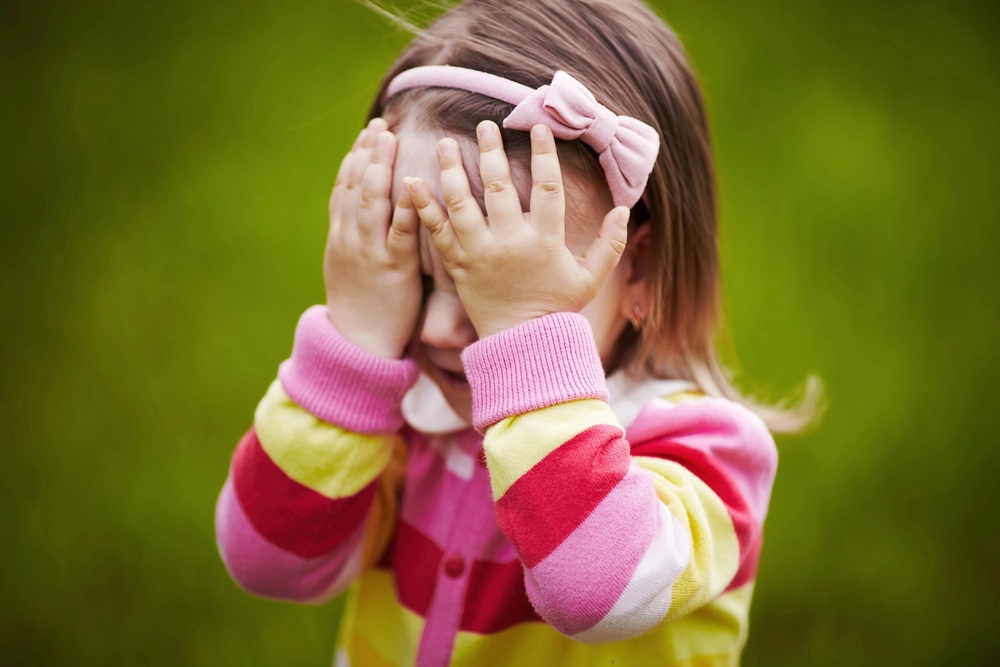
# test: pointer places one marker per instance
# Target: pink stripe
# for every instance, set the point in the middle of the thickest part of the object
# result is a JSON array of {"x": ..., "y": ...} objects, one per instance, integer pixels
[
  {"x": 734, "y": 437},
  {"x": 498, "y": 549},
  {"x": 546, "y": 504},
  {"x": 342, "y": 384},
  {"x": 578, "y": 583},
  {"x": 534, "y": 365},
  {"x": 262, "y": 568},
  {"x": 432, "y": 494}
]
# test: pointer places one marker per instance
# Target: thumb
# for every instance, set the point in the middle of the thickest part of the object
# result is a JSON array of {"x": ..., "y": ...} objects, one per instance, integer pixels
[{"x": 602, "y": 256}]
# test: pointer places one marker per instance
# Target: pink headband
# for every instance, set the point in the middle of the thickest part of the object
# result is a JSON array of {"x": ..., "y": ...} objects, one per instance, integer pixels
[{"x": 626, "y": 147}]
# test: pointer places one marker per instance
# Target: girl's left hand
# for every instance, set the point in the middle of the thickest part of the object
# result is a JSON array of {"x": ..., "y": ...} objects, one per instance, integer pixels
[{"x": 516, "y": 267}]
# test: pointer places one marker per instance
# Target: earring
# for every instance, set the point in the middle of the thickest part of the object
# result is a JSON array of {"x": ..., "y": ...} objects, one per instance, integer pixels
[{"x": 636, "y": 318}]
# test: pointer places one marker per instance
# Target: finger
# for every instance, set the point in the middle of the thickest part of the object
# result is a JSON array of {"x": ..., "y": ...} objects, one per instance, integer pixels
[
  {"x": 346, "y": 162},
  {"x": 338, "y": 189},
  {"x": 363, "y": 150},
  {"x": 343, "y": 193},
  {"x": 344, "y": 170},
  {"x": 359, "y": 138},
  {"x": 463, "y": 210},
  {"x": 402, "y": 244},
  {"x": 603, "y": 254},
  {"x": 502, "y": 203},
  {"x": 374, "y": 206},
  {"x": 360, "y": 157},
  {"x": 548, "y": 199},
  {"x": 336, "y": 203},
  {"x": 434, "y": 219}
]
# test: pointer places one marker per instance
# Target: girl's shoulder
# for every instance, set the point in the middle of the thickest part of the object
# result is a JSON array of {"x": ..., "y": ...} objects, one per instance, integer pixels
[{"x": 653, "y": 409}]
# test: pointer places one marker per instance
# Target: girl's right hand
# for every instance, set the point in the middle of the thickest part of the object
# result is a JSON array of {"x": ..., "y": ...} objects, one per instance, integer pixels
[{"x": 372, "y": 264}]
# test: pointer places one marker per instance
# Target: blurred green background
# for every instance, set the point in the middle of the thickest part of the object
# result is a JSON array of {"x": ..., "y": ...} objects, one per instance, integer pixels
[{"x": 165, "y": 174}]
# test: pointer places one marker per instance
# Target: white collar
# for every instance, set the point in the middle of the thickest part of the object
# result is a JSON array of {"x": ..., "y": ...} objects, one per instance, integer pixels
[
  {"x": 629, "y": 397},
  {"x": 426, "y": 409}
]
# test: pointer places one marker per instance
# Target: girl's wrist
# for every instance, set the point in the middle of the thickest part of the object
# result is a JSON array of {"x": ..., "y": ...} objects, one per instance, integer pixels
[
  {"x": 492, "y": 327},
  {"x": 367, "y": 337},
  {"x": 542, "y": 362},
  {"x": 338, "y": 381},
  {"x": 497, "y": 322}
]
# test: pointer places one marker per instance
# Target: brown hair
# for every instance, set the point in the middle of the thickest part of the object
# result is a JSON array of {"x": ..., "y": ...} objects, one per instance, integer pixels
[{"x": 635, "y": 65}]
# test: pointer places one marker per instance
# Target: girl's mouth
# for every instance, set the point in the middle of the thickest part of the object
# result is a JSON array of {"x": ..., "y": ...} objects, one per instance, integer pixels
[{"x": 453, "y": 378}]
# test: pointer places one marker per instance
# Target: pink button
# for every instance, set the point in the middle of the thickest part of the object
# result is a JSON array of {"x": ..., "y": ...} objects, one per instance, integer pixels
[{"x": 454, "y": 566}]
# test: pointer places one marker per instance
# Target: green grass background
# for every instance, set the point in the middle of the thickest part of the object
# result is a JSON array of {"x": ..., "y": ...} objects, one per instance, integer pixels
[{"x": 164, "y": 175}]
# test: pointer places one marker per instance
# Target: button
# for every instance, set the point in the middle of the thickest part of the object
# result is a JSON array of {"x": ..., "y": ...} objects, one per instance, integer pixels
[{"x": 454, "y": 566}]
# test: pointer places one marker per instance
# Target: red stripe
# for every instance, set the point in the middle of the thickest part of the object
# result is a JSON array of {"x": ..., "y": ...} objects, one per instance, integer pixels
[
  {"x": 417, "y": 559},
  {"x": 704, "y": 466},
  {"x": 750, "y": 556},
  {"x": 495, "y": 598},
  {"x": 388, "y": 559},
  {"x": 548, "y": 502},
  {"x": 288, "y": 514}
]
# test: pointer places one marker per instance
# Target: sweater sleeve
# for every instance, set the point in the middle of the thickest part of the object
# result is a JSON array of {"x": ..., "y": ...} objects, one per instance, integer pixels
[
  {"x": 310, "y": 499},
  {"x": 616, "y": 534}
]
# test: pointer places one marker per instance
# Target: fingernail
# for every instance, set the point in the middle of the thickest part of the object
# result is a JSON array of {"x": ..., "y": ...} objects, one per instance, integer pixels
[
  {"x": 487, "y": 129},
  {"x": 383, "y": 140},
  {"x": 540, "y": 131},
  {"x": 448, "y": 148},
  {"x": 623, "y": 216},
  {"x": 415, "y": 186}
]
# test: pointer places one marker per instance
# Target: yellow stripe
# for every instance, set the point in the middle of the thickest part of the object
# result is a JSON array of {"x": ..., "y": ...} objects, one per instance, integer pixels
[
  {"x": 363, "y": 653},
  {"x": 377, "y": 630},
  {"x": 684, "y": 396},
  {"x": 379, "y": 624},
  {"x": 715, "y": 550},
  {"x": 715, "y": 633},
  {"x": 514, "y": 445},
  {"x": 725, "y": 660},
  {"x": 324, "y": 457},
  {"x": 711, "y": 636}
]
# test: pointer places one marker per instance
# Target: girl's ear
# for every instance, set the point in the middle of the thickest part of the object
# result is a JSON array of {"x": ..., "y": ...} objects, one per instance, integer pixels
[{"x": 637, "y": 266}]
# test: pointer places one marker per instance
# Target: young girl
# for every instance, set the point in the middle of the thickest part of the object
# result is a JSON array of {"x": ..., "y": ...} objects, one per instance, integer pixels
[{"x": 530, "y": 208}]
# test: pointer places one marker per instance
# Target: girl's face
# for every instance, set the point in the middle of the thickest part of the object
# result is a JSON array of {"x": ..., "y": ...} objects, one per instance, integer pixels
[{"x": 445, "y": 329}]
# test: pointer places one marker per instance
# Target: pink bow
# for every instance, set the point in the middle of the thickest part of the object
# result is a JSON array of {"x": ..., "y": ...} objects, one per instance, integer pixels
[{"x": 626, "y": 147}]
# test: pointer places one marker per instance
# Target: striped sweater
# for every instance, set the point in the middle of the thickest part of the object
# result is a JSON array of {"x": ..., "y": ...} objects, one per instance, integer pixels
[{"x": 573, "y": 532}]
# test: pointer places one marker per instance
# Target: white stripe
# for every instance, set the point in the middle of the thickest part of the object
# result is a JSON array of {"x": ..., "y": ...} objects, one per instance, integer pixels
[
  {"x": 459, "y": 463},
  {"x": 646, "y": 599}
]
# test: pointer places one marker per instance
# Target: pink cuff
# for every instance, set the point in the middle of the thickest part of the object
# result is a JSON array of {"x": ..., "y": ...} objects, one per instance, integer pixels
[
  {"x": 340, "y": 383},
  {"x": 534, "y": 365}
]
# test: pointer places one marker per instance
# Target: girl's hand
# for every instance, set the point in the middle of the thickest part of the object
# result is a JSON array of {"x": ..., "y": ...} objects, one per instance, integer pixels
[
  {"x": 372, "y": 264},
  {"x": 517, "y": 267}
]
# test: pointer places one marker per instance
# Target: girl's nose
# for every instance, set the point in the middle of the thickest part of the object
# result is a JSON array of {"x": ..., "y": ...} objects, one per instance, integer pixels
[{"x": 446, "y": 326}]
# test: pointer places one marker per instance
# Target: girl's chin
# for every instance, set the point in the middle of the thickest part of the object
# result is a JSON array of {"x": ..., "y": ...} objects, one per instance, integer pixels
[{"x": 455, "y": 389}]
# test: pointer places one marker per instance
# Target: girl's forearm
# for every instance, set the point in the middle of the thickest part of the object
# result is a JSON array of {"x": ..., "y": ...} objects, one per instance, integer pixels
[
  {"x": 301, "y": 511},
  {"x": 614, "y": 543}
]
